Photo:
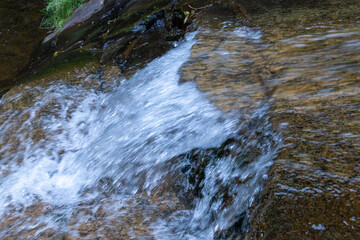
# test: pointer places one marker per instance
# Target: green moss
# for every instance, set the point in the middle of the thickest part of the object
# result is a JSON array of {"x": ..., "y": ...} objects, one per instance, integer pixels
[
  {"x": 58, "y": 12},
  {"x": 65, "y": 62}
]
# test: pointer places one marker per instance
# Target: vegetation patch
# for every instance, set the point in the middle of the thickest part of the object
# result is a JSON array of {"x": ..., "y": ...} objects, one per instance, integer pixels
[{"x": 57, "y": 12}]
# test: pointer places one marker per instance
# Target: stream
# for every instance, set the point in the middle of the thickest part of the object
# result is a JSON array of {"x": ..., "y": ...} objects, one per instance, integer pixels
[
  {"x": 243, "y": 130},
  {"x": 123, "y": 153}
]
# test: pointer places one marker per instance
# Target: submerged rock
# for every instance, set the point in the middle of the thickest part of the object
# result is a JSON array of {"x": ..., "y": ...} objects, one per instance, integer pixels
[
  {"x": 298, "y": 59},
  {"x": 302, "y": 59}
]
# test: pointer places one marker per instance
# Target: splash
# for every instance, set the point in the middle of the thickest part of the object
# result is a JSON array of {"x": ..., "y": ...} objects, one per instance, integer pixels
[{"x": 113, "y": 150}]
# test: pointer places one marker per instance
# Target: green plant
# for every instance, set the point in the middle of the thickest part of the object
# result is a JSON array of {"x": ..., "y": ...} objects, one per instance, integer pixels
[{"x": 57, "y": 12}]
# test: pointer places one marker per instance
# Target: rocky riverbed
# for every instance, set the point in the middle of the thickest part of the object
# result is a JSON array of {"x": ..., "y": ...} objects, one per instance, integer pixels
[{"x": 283, "y": 74}]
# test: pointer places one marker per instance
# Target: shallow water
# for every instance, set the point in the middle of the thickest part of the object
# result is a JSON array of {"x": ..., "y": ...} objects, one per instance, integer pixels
[
  {"x": 77, "y": 149},
  {"x": 304, "y": 63},
  {"x": 160, "y": 159}
]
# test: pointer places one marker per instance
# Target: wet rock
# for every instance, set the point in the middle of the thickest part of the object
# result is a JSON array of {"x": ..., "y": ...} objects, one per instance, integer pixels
[
  {"x": 83, "y": 14},
  {"x": 264, "y": 57},
  {"x": 129, "y": 33},
  {"x": 82, "y": 17},
  {"x": 313, "y": 180},
  {"x": 20, "y": 34},
  {"x": 313, "y": 188}
]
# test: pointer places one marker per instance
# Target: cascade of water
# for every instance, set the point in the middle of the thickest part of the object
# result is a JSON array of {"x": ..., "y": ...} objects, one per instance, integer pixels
[{"x": 127, "y": 143}]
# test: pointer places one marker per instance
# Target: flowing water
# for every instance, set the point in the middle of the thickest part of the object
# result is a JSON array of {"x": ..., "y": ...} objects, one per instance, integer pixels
[
  {"x": 182, "y": 150},
  {"x": 129, "y": 155}
]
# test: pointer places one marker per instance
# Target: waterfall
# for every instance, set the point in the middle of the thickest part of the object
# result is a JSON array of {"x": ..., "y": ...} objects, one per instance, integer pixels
[{"x": 137, "y": 147}]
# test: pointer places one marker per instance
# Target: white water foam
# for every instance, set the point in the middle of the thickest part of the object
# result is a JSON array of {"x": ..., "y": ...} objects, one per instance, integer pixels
[{"x": 128, "y": 136}]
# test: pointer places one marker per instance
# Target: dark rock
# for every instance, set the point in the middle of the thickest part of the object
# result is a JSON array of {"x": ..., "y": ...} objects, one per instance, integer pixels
[
  {"x": 83, "y": 14},
  {"x": 20, "y": 34},
  {"x": 130, "y": 33}
]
